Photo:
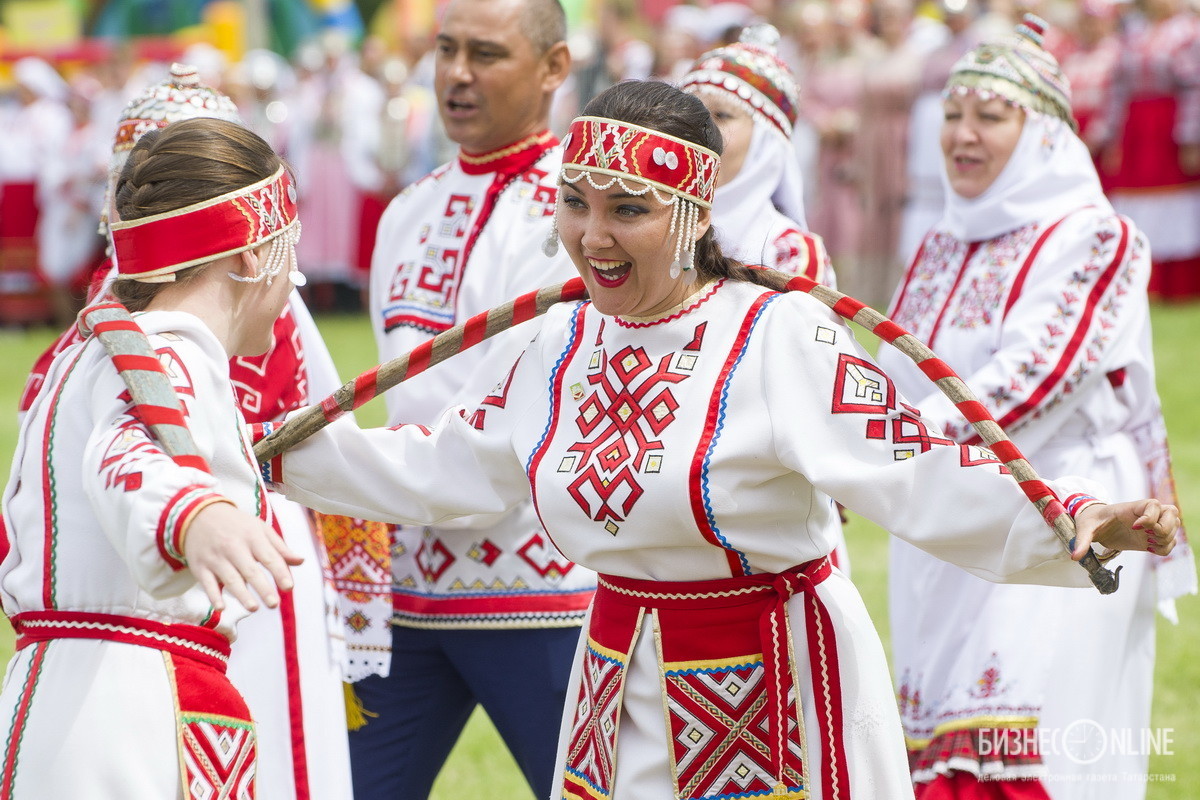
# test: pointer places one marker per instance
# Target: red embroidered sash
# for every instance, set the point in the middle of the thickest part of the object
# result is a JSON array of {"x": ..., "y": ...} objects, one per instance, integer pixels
[
  {"x": 217, "y": 742},
  {"x": 731, "y": 696}
]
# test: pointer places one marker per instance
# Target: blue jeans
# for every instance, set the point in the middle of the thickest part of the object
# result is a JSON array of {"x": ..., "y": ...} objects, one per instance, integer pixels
[{"x": 437, "y": 678}]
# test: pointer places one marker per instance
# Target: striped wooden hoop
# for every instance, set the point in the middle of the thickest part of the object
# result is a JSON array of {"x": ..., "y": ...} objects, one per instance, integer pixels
[
  {"x": 378, "y": 380},
  {"x": 155, "y": 403},
  {"x": 483, "y": 326}
]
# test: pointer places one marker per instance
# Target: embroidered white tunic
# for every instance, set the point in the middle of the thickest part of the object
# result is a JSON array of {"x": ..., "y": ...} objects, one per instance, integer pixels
[
  {"x": 464, "y": 239},
  {"x": 94, "y": 512},
  {"x": 708, "y": 444},
  {"x": 1049, "y": 326}
]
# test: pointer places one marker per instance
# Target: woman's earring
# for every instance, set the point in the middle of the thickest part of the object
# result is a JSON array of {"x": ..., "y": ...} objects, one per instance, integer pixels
[{"x": 550, "y": 246}]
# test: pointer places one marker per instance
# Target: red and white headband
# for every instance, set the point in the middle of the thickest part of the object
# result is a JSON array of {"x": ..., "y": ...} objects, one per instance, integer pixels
[
  {"x": 598, "y": 146},
  {"x": 153, "y": 249}
]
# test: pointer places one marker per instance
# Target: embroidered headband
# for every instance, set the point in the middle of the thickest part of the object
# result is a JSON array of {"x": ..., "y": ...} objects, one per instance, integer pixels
[
  {"x": 751, "y": 72},
  {"x": 666, "y": 164},
  {"x": 153, "y": 248},
  {"x": 677, "y": 172},
  {"x": 1019, "y": 69}
]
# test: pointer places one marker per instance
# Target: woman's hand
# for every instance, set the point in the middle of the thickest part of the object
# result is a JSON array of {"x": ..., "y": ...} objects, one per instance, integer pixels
[
  {"x": 225, "y": 546},
  {"x": 1138, "y": 525}
]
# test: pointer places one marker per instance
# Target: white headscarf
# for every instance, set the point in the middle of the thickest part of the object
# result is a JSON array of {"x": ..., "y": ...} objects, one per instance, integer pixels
[
  {"x": 1048, "y": 175},
  {"x": 40, "y": 78},
  {"x": 769, "y": 179}
]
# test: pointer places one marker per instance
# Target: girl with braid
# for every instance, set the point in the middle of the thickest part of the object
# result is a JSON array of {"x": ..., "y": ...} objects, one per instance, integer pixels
[{"x": 126, "y": 566}]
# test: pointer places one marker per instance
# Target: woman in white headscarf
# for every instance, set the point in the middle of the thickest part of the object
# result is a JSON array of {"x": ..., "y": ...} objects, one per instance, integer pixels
[
  {"x": 33, "y": 135},
  {"x": 759, "y": 206},
  {"x": 1034, "y": 290}
]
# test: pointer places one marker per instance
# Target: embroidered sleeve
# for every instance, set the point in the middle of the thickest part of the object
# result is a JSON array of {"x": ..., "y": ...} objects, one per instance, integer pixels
[
  {"x": 413, "y": 474},
  {"x": 1066, "y": 325},
  {"x": 143, "y": 498},
  {"x": 841, "y": 424}
]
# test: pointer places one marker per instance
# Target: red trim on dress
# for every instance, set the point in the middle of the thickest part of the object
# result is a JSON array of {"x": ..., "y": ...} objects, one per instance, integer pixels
[
  {"x": 1023, "y": 273},
  {"x": 1060, "y": 369},
  {"x": 712, "y": 290},
  {"x": 908, "y": 274},
  {"x": 972, "y": 248},
  {"x": 706, "y": 437},
  {"x": 535, "y": 461},
  {"x": 291, "y": 659},
  {"x": 48, "y": 503},
  {"x": 193, "y": 641},
  {"x": 20, "y": 717}
]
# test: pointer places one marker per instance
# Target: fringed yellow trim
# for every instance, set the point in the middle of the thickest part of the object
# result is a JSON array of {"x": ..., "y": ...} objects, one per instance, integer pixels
[{"x": 356, "y": 715}]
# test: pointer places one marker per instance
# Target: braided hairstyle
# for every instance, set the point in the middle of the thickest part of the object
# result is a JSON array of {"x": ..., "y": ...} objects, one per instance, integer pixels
[
  {"x": 662, "y": 107},
  {"x": 180, "y": 165}
]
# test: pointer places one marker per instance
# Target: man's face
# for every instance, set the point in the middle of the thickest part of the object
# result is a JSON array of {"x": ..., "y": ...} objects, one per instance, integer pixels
[{"x": 492, "y": 86}]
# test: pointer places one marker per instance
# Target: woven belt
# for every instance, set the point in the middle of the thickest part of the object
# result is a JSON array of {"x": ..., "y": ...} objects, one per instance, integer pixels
[
  {"x": 191, "y": 641},
  {"x": 766, "y": 597}
]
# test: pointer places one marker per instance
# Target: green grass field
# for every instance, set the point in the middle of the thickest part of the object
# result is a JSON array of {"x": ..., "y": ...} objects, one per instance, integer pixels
[{"x": 480, "y": 766}]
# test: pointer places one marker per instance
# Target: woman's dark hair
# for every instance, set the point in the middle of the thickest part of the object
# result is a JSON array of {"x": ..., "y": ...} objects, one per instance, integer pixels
[
  {"x": 180, "y": 165},
  {"x": 661, "y": 107}
]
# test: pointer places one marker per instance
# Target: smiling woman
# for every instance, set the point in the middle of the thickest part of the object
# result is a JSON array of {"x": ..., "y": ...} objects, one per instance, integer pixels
[
  {"x": 692, "y": 454},
  {"x": 1034, "y": 290}
]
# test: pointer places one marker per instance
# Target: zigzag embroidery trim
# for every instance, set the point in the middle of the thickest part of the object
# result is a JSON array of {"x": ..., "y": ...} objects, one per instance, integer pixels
[
  {"x": 687, "y": 595},
  {"x": 108, "y": 626}
]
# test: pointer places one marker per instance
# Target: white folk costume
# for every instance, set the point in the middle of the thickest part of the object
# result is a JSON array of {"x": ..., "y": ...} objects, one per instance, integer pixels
[
  {"x": 464, "y": 239},
  {"x": 675, "y": 455},
  {"x": 119, "y": 678},
  {"x": 290, "y": 660},
  {"x": 1035, "y": 293},
  {"x": 759, "y": 214}
]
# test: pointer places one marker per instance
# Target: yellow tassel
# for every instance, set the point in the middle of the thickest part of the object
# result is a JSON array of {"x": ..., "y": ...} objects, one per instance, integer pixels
[{"x": 356, "y": 715}]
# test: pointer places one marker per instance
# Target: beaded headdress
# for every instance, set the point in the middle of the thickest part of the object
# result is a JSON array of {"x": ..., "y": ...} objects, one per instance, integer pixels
[
  {"x": 642, "y": 161},
  {"x": 1019, "y": 69},
  {"x": 180, "y": 97},
  {"x": 751, "y": 72},
  {"x": 152, "y": 249}
]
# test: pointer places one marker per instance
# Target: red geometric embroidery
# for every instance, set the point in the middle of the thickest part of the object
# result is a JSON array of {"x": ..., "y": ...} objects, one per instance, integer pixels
[
  {"x": 119, "y": 464},
  {"x": 974, "y": 456},
  {"x": 720, "y": 734},
  {"x": 911, "y": 430},
  {"x": 497, "y": 398},
  {"x": 860, "y": 388},
  {"x": 538, "y": 553},
  {"x": 219, "y": 756},
  {"x": 590, "y": 754},
  {"x": 434, "y": 559},
  {"x": 485, "y": 552},
  {"x": 631, "y": 405}
]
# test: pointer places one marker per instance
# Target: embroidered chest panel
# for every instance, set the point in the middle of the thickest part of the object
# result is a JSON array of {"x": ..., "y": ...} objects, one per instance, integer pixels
[
  {"x": 625, "y": 402},
  {"x": 425, "y": 284}
]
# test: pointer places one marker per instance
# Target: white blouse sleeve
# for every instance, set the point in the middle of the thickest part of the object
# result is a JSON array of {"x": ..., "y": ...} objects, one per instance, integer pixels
[
  {"x": 142, "y": 498},
  {"x": 839, "y": 421},
  {"x": 410, "y": 474}
]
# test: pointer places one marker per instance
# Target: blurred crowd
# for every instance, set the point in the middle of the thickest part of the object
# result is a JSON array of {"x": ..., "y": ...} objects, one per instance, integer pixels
[{"x": 359, "y": 123}]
